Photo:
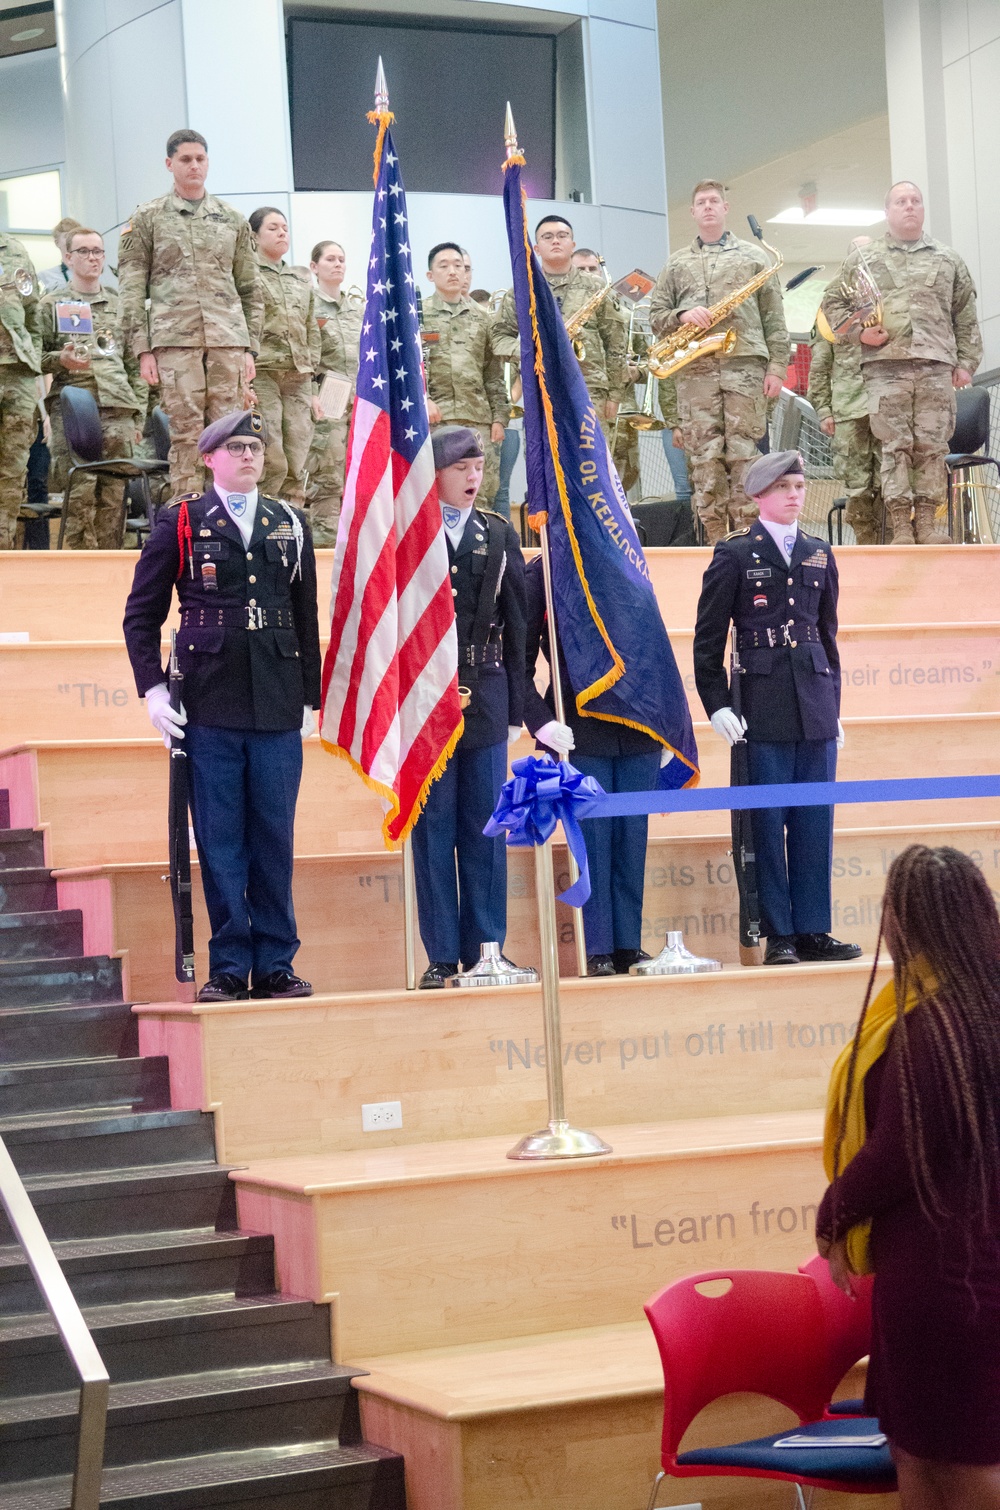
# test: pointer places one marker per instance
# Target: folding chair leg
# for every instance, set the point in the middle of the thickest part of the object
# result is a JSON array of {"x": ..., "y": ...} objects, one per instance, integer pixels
[
  {"x": 70, "y": 476},
  {"x": 656, "y": 1488},
  {"x": 803, "y": 1502}
]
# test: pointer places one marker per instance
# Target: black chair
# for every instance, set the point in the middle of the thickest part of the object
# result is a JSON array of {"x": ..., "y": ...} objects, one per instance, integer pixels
[
  {"x": 968, "y": 519},
  {"x": 837, "y": 507},
  {"x": 81, "y": 421}
]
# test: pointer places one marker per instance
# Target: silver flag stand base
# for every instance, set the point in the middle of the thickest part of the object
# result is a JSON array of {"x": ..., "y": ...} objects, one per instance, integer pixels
[{"x": 559, "y": 1141}]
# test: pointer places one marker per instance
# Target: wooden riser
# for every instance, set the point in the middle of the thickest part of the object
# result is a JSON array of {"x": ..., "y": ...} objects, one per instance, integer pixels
[
  {"x": 566, "y": 1422},
  {"x": 85, "y": 690},
  {"x": 350, "y": 908},
  {"x": 455, "y": 1241},
  {"x": 291, "y": 1077},
  {"x": 106, "y": 800},
  {"x": 80, "y": 595}
]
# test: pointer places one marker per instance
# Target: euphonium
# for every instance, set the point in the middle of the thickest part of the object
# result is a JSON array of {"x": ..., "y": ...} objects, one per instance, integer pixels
[
  {"x": 21, "y": 281},
  {"x": 688, "y": 342},
  {"x": 579, "y": 317},
  {"x": 864, "y": 296}
]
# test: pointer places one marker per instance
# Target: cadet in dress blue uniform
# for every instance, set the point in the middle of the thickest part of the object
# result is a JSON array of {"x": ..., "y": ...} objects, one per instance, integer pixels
[
  {"x": 459, "y": 912},
  {"x": 622, "y": 760},
  {"x": 779, "y": 587},
  {"x": 248, "y": 646}
]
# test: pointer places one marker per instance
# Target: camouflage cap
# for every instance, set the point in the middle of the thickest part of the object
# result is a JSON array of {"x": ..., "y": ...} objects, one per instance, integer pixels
[
  {"x": 763, "y": 473},
  {"x": 454, "y": 443},
  {"x": 249, "y": 422}
]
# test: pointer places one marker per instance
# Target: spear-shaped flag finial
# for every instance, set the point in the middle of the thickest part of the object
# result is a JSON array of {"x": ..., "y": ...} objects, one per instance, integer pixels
[
  {"x": 381, "y": 90},
  {"x": 510, "y": 133}
]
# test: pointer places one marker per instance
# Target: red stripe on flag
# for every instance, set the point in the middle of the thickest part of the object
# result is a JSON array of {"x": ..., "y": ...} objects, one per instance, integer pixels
[{"x": 423, "y": 755}]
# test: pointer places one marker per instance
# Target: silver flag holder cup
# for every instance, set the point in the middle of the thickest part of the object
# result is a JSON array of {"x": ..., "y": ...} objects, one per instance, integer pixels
[
  {"x": 675, "y": 959},
  {"x": 494, "y": 969}
]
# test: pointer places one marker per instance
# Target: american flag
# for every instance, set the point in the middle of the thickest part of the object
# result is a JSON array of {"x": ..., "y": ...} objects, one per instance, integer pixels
[{"x": 390, "y": 680}]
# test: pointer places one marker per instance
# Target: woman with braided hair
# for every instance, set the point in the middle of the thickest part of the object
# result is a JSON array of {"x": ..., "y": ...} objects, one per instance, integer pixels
[{"x": 912, "y": 1149}]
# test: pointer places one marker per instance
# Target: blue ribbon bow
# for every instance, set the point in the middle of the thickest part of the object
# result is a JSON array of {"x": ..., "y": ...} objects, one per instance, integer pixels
[{"x": 539, "y": 795}]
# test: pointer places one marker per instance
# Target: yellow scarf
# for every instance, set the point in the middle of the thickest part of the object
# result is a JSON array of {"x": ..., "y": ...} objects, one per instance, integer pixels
[{"x": 880, "y": 1019}]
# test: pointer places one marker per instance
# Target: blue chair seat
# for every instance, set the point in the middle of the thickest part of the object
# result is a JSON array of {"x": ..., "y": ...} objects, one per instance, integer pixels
[
  {"x": 846, "y": 1408},
  {"x": 844, "y": 1465}
]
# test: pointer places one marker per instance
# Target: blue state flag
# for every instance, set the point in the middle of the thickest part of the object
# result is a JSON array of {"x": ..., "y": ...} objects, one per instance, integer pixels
[{"x": 616, "y": 648}]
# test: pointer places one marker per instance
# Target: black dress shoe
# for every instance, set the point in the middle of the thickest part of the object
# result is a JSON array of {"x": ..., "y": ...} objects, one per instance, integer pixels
[
  {"x": 600, "y": 964},
  {"x": 223, "y": 987},
  {"x": 820, "y": 947},
  {"x": 623, "y": 959},
  {"x": 281, "y": 983},
  {"x": 781, "y": 951},
  {"x": 436, "y": 974}
]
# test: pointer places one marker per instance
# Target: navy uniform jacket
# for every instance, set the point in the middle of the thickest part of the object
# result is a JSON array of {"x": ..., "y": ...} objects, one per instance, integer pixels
[
  {"x": 594, "y": 736},
  {"x": 249, "y": 645},
  {"x": 497, "y": 679},
  {"x": 787, "y": 622}
]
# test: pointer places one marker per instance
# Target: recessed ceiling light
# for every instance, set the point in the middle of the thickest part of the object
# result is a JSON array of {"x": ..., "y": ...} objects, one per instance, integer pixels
[
  {"x": 833, "y": 216},
  {"x": 29, "y": 35}
]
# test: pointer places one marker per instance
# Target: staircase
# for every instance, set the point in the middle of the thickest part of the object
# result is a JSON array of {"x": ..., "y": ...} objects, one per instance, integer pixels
[{"x": 222, "y": 1389}]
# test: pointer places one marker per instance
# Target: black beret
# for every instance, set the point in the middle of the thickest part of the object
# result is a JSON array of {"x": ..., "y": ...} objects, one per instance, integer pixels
[
  {"x": 454, "y": 443},
  {"x": 248, "y": 422},
  {"x": 766, "y": 470}
]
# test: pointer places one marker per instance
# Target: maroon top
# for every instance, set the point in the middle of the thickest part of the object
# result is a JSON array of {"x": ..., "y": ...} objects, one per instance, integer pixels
[{"x": 934, "y": 1373}]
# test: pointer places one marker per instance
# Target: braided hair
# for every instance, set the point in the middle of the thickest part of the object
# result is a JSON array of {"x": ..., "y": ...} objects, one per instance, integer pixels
[{"x": 940, "y": 923}]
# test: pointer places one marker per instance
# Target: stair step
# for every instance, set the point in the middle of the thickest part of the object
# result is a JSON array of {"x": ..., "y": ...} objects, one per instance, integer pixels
[
  {"x": 146, "y": 1266},
  {"x": 213, "y": 1410},
  {"x": 75, "y": 1142},
  {"x": 154, "y": 1198},
  {"x": 35, "y": 1034},
  {"x": 31, "y": 888},
  {"x": 115, "y": 1085},
  {"x": 321, "y": 1475},
  {"x": 20, "y": 847},
  {"x": 59, "y": 982},
  {"x": 41, "y": 935},
  {"x": 140, "y": 1339}
]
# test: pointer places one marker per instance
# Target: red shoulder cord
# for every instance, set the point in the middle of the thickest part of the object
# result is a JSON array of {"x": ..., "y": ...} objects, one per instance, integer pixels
[{"x": 184, "y": 539}]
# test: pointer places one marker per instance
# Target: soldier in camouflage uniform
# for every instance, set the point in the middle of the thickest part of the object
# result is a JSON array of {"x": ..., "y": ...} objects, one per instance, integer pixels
[
  {"x": 192, "y": 257},
  {"x": 20, "y": 366},
  {"x": 722, "y": 400},
  {"x": 95, "y": 518},
  {"x": 837, "y": 393},
  {"x": 927, "y": 346},
  {"x": 464, "y": 375},
  {"x": 339, "y": 316},
  {"x": 289, "y": 355},
  {"x": 605, "y": 369}
]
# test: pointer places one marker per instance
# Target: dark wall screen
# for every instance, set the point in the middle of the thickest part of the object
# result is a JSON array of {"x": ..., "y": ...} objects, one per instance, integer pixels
[{"x": 448, "y": 90}]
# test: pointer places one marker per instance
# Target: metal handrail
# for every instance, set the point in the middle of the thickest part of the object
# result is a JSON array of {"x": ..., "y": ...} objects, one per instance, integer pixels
[{"x": 75, "y": 1334}]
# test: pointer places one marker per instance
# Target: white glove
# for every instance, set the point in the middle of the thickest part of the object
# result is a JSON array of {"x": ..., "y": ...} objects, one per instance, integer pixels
[
  {"x": 513, "y": 733},
  {"x": 162, "y": 716},
  {"x": 556, "y": 736},
  {"x": 841, "y": 736},
  {"x": 308, "y": 722},
  {"x": 726, "y": 724}
]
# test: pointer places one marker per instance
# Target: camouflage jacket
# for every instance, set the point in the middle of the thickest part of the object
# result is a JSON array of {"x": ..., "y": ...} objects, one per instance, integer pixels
[
  {"x": 464, "y": 374},
  {"x": 339, "y": 323},
  {"x": 698, "y": 274},
  {"x": 113, "y": 380},
  {"x": 289, "y": 337},
  {"x": 836, "y": 387},
  {"x": 195, "y": 263},
  {"x": 605, "y": 335},
  {"x": 929, "y": 302},
  {"x": 20, "y": 342}
]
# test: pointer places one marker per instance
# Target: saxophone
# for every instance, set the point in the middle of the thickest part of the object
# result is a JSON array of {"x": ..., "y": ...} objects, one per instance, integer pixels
[
  {"x": 688, "y": 342},
  {"x": 579, "y": 317}
]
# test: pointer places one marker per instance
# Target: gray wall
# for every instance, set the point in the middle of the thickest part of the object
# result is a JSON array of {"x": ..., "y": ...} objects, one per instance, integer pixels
[{"x": 31, "y": 116}]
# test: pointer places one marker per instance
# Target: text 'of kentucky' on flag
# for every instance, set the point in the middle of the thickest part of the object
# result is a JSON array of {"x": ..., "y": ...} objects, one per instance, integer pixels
[
  {"x": 390, "y": 679},
  {"x": 615, "y": 645}
]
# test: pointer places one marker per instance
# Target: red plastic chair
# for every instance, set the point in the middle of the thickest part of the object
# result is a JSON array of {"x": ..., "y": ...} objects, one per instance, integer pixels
[
  {"x": 848, "y": 1325},
  {"x": 765, "y": 1335}
]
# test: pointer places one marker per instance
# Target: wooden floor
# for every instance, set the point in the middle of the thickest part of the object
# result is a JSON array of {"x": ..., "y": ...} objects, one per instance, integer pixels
[{"x": 498, "y": 1305}]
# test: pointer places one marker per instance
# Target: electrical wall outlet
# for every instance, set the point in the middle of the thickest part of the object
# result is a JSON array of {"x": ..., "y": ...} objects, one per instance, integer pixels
[{"x": 376, "y": 1116}]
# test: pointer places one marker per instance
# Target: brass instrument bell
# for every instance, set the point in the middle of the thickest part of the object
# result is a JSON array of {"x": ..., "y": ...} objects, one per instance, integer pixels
[{"x": 22, "y": 282}]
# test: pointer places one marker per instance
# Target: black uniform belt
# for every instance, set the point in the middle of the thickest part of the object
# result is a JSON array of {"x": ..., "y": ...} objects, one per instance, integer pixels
[
  {"x": 481, "y": 655},
  {"x": 235, "y": 616},
  {"x": 784, "y": 634}
]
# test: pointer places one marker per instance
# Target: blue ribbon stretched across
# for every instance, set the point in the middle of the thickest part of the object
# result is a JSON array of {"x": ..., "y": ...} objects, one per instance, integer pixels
[{"x": 539, "y": 795}]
